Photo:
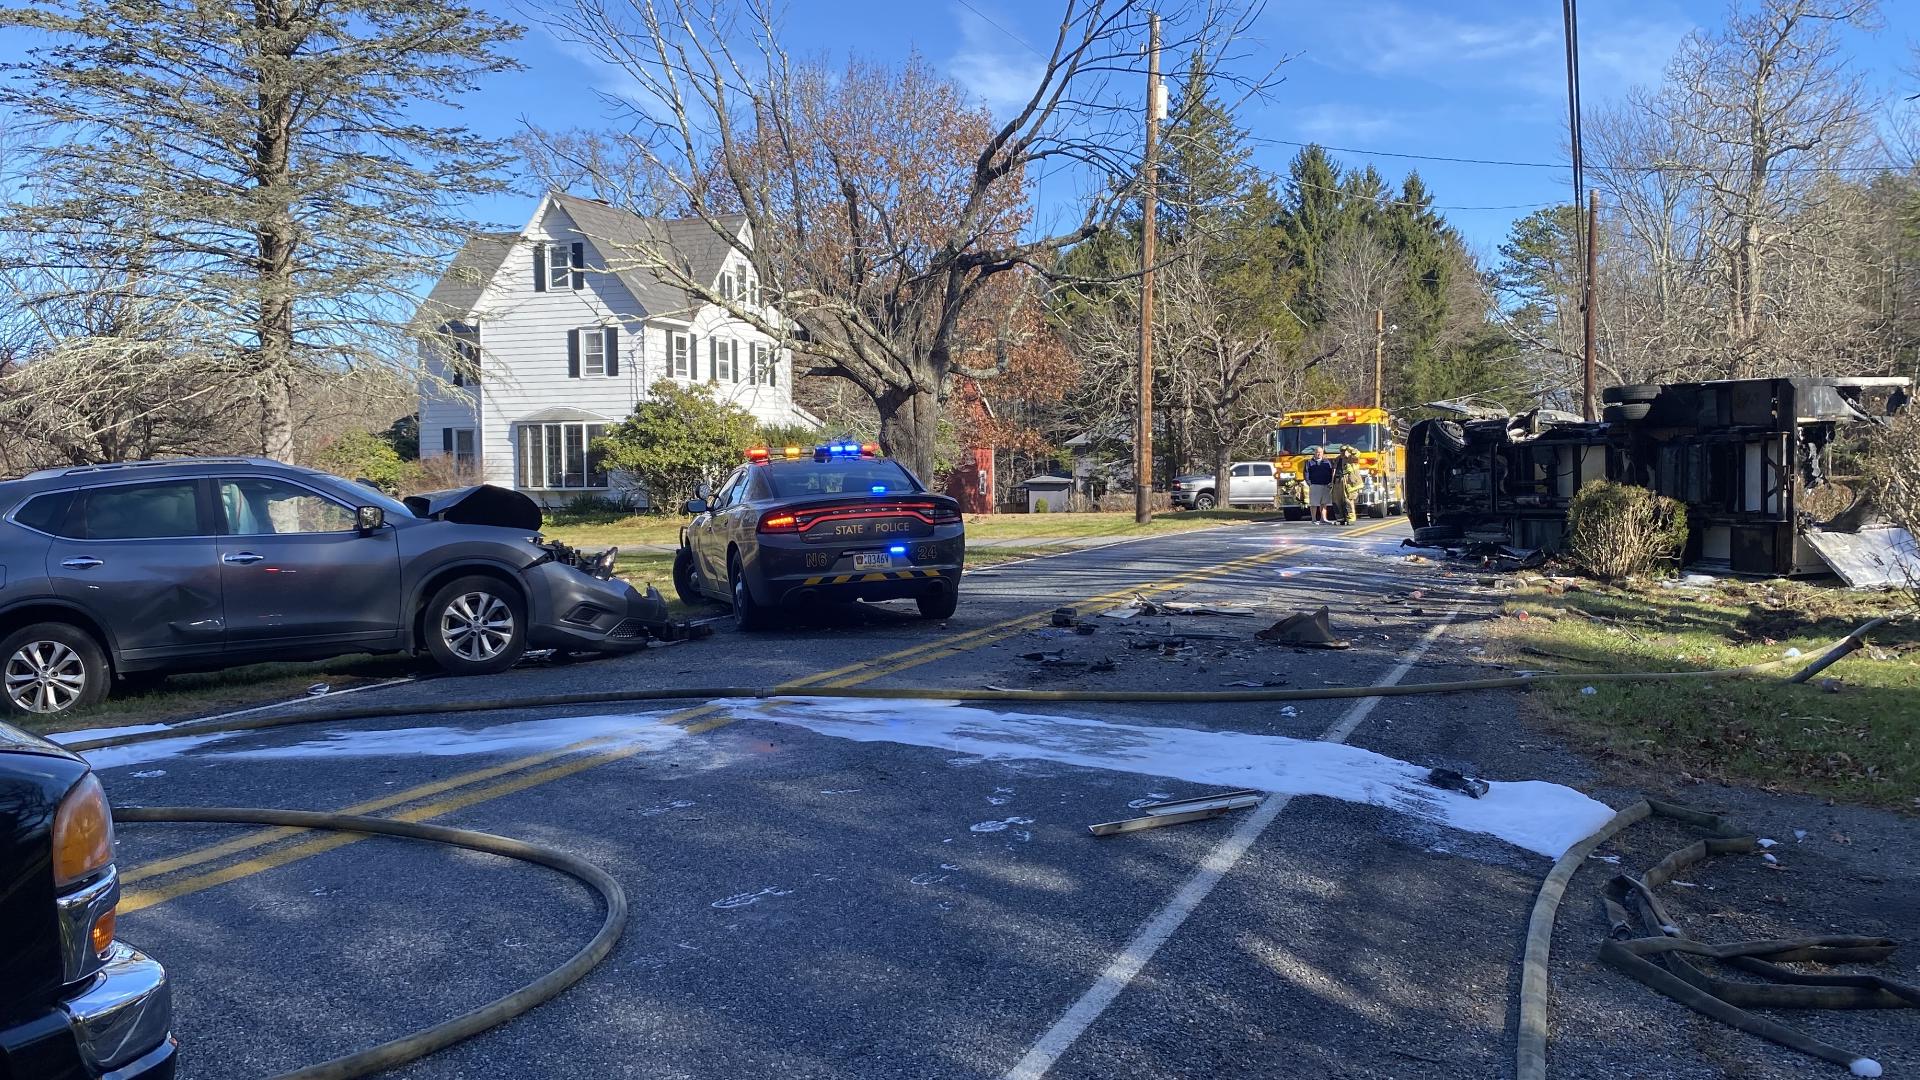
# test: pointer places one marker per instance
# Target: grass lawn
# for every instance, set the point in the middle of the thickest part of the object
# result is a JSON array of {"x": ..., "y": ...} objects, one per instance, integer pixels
[
  {"x": 1860, "y": 742},
  {"x": 183, "y": 697}
]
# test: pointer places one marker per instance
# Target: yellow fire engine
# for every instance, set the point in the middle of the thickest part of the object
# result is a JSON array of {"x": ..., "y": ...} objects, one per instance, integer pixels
[{"x": 1370, "y": 432}]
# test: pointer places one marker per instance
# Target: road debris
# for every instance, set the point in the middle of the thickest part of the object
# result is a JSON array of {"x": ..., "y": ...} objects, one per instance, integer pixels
[
  {"x": 1064, "y": 616},
  {"x": 1180, "y": 811},
  {"x": 1450, "y": 780},
  {"x": 1304, "y": 628}
]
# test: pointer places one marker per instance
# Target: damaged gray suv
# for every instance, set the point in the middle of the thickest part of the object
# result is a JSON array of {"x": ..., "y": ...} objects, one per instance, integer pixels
[{"x": 137, "y": 570}]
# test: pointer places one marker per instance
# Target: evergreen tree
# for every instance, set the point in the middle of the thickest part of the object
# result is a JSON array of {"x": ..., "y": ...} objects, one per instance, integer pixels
[{"x": 275, "y": 158}]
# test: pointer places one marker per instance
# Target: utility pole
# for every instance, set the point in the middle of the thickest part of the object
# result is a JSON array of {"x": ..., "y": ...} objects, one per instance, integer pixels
[
  {"x": 1143, "y": 436},
  {"x": 1379, "y": 347},
  {"x": 1589, "y": 403}
]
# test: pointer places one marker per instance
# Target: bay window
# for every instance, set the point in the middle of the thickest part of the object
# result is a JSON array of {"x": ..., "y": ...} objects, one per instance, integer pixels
[{"x": 561, "y": 457}]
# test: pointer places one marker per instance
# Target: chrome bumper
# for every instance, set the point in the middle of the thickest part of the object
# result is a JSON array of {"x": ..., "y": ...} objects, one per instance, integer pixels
[{"x": 121, "y": 1018}]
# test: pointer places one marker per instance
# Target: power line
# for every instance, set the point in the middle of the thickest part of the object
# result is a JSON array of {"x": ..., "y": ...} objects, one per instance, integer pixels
[
  {"x": 1665, "y": 166},
  {"x": 1002, "y": 29}
]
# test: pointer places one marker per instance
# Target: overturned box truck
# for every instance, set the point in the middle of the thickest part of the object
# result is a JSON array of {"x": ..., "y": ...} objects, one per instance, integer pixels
[{"x": 1748, "y": 457}]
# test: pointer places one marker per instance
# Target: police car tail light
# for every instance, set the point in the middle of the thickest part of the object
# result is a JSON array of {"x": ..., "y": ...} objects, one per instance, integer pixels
[
  {"x": 942, "y": 515},
  {"x": 779, "y": 522}
]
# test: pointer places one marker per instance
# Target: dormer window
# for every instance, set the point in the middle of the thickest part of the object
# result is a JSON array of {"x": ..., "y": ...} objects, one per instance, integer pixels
[
  {"x": 558, "y": 266},
  {"x": 727, "y": 285}
]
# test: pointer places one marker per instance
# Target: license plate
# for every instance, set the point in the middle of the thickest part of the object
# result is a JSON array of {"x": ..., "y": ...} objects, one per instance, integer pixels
[{"x": 876, "y": 560}]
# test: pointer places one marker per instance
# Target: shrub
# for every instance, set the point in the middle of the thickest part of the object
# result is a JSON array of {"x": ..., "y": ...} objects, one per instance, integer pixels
[
  {"x": 589, "y": 509},
  {"x": 677, "y": 438},
  {"x": 1039, "y": 506},
  {"x": 1620, "y": 530},
  {"x": 361, "y": 455}
]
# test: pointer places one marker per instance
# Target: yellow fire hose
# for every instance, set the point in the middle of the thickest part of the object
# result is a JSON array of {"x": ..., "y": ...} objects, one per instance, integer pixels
[{"x": 1532, "y": 1041}]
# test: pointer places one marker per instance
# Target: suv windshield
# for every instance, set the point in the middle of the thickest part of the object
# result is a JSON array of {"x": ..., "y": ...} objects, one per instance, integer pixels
[
  {"x": 798, "y": 479},
  {"x": 1299, "y": 440}
]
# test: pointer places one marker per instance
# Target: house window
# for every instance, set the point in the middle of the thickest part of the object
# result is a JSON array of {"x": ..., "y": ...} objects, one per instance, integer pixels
[
  {"x": 466, "y": 359},
  {"x": 760, "y": 371},
  {"x": 559, "y": 266},
  {"x": 593, "y": 351},
  {"x": 680, "y": 351},
  {"x": 561, "y": 457},
  {"x": 458, "y": 442},
  {"x": 753, "y": 290},
  {"x": 724, "y": 353},
  {"x": 727, "y": 286}
]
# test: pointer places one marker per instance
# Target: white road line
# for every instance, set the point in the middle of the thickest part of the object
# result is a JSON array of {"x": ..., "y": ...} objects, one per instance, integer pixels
[{"x": 1073, "y": 1023}]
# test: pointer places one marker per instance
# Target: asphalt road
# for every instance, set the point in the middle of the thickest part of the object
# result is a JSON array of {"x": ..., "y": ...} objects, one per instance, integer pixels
[{"x": 818, "y": 896}]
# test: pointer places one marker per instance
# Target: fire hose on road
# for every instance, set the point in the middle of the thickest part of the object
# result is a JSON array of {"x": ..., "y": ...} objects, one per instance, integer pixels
[{"x": 427, "y": 1041}]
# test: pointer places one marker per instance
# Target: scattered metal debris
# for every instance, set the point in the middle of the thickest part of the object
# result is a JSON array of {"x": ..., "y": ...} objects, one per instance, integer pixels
[
  {"x": 1304, "y": 628},
  {"x": 1063, "y": 616},
  {"x": 1460, "y": 782},
  {"x": 1181, "y": 811}
]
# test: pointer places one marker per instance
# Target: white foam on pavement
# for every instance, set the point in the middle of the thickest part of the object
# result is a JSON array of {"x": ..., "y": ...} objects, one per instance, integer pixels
[
  {"x": 523, "y": 736},
  {"x": 113, "y": 757},
  {"x": 1535, "y": 815},
  {"x": 65, "y": 738}
]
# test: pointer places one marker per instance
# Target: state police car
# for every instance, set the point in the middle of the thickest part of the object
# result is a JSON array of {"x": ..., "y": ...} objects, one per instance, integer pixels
[{"x": 831, "y": 524}]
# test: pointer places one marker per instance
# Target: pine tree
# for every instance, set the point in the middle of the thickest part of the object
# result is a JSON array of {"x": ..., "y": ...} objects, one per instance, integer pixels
[{"x": 277, "y": 159}]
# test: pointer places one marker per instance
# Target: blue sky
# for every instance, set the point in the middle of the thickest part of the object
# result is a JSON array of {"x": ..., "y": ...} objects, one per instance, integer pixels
[{"x": 1448, "y": 78}]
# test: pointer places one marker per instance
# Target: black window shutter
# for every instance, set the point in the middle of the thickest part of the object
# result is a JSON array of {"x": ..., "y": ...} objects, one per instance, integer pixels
[
  {"x": 539, "y": 268},
  {"x": 713, "y": 360},
  {"x": 446, "y": 439},
  {"x": 579, "y": 265},
  {"x": 693, "y": 356},
  {"x": 613, "y": 350},
  {"x": 734, "y": 349},
  {"x": 573, "y": 354}
]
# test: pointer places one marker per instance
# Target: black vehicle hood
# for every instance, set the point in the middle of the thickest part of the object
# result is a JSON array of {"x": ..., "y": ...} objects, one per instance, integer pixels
[
  {"x": 483, "y": 504},
  {"x": 15, "y": 741}
]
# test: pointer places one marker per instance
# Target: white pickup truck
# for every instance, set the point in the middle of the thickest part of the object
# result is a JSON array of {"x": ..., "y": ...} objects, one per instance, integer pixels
[{"x": 1251, "y": 483}]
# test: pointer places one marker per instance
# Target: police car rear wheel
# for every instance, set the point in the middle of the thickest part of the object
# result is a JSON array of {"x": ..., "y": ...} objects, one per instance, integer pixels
[
  {"x": 939, "y": 605},
  {"x": 748, "y": 615}
]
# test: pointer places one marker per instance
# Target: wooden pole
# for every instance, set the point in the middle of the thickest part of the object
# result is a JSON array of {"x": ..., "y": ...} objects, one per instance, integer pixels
[
  {"x": 1590, "y": 317},
  {"x": 1379, "y": 347},
  {"x": 1143, "y": 439}
]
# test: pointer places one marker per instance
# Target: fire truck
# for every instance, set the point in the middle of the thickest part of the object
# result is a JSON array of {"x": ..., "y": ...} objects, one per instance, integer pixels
[{"x": 1373, "y": 433}]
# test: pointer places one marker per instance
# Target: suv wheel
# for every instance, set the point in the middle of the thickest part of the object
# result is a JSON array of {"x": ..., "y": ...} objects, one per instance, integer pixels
[
  {"x": 50, "y": 668},
  {"x": 476, "y": 626}
]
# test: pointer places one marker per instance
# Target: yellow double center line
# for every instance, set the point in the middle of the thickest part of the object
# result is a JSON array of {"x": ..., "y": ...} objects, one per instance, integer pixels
[{"x": 482, "y": 785}]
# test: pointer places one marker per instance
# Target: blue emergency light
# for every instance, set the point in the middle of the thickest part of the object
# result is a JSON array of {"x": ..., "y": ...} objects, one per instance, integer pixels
[{"x": 897, "y": 549}]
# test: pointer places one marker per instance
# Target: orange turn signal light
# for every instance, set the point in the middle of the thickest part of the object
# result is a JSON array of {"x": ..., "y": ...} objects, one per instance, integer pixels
[
  {"x": 101, "y": 938},
  {"x": 792, "y": 452},
  {"x": 82, "y": 833}
]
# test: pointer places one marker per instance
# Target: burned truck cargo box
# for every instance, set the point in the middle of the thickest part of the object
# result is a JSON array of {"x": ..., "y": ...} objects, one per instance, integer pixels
[{"x": 1753, "y": 460}]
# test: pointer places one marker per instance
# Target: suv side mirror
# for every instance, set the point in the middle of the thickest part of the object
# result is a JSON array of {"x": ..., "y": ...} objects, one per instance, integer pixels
[
  {"x": 368, "y": 519},
  {"x": 695, "y": 506}
]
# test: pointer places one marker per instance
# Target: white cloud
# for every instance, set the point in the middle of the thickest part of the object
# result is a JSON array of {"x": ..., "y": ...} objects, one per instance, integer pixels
[
  {"x": 1341, "y": 124},
  {"x": 1489, "y": 50},
  {"x": 994, "y": 68}
]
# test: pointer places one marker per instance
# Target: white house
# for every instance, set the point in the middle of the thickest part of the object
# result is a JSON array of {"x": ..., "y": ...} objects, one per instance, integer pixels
[{"x": 557, "y": 331}]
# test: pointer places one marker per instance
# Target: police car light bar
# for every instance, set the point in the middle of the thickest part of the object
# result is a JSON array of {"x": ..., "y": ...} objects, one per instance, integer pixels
[
  {"x": 845, "y": 449},
  {"x": 756, "y": 453}
]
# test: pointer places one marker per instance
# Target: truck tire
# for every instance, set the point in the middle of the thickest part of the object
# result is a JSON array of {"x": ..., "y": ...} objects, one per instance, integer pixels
[
  {"x": 1436, "y": 534},
  {"x": 1632, "y": 393},
  {"x": 51, "y": 668},
  {"x": 1204, "y": 501},
  {"x": 476, "y": 625},
  {"x": 1377, "y": 510},
  {"x": 940, "y": 605},
  {"x": 1626, "y": 414}
]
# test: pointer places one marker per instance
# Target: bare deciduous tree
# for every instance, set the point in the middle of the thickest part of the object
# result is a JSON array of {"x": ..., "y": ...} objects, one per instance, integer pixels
[{"x": 877, "y": 202}]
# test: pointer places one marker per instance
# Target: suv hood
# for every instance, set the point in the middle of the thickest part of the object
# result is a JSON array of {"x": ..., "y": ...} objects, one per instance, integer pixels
[{"x": 482, "y": 504}]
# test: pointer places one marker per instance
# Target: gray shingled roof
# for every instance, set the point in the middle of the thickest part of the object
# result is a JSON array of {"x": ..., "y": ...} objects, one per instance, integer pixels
[
  {"x": 458, "y": 290},
  {"x": 622, "y": 238}
]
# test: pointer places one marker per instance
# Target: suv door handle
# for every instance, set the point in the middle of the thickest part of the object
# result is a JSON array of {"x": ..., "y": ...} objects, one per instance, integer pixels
[
  {"x": 241, "y": 557},
  {"x": 81, "y": 562}
]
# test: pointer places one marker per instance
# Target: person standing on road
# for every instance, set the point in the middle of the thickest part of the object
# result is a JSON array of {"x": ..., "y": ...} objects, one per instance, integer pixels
[
  {"x": 1319, "y": 485},
  {"x": 1346, "y": 478}
]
